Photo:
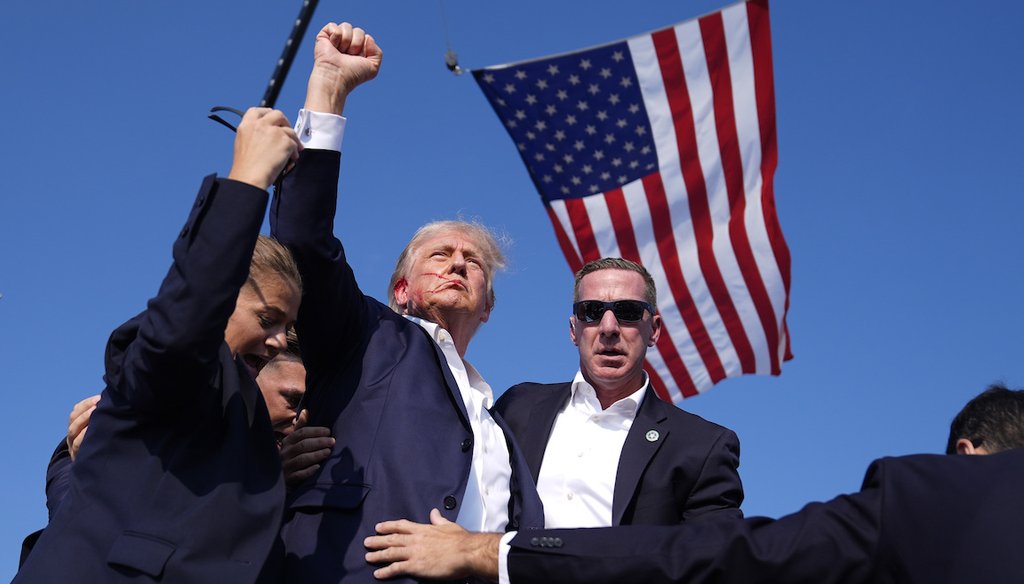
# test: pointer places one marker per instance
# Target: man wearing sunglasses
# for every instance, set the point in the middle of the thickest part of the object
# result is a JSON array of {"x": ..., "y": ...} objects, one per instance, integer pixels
[{"x": 603, "y": 448}]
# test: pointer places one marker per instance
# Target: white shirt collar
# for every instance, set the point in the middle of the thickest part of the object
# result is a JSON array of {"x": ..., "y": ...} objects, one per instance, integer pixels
[{"x": 581, "y": 391}]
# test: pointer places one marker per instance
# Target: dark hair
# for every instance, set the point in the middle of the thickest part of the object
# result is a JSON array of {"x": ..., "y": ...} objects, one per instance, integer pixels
[
  {"x": 650, "y": 292},
  {"x": 994, "y": 419}
]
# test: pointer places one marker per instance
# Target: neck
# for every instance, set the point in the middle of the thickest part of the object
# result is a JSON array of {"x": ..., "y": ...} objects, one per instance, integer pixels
[{"x": 608, "y": 395}]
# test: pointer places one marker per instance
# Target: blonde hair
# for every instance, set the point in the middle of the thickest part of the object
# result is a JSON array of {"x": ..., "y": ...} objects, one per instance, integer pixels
[{"x": 272, "y": 258}]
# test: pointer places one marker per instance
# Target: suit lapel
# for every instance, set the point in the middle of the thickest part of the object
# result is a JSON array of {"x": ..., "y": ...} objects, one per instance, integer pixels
[
  {"x": 542, "y": 419},
  {"x": 640, "y": 447},
  {"x": 453, "y": 386}
]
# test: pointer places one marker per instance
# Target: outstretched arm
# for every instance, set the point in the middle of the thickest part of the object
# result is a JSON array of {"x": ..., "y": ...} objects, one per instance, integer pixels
[
  {"x": 331, "y": 319},
  {"x": 171, "y": 351}
]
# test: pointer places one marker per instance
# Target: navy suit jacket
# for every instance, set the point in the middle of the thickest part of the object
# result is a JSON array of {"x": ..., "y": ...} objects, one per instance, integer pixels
[
  {"x": 180, "y": 479},
  {"x": 923, "y": 519},
  {"x": 404, "y": 444},
  {"x": 688, "y": 472}
]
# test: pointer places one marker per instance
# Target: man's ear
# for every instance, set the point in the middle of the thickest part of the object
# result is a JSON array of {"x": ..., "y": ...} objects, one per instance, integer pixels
[
  {"x": 655, "y": 330},
  {"x": 401, "y": 292},
  {"x": 572, "y": 331},
  {"x": 965, "y": 446}
]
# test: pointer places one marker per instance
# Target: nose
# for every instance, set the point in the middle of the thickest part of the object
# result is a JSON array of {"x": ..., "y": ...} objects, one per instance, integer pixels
[
  {"x": 458, "y": 263},
  {"x": 277, "y": 341},
  {"x": 609, "y": 325}
]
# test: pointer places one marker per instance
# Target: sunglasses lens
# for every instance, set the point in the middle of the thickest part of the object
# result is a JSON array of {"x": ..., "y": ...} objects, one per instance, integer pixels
[
  {"x": 628, "y": 310},
  {"x": 591, "y": 311}
]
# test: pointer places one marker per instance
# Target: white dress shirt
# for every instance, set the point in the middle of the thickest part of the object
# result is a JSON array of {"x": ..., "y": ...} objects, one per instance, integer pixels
[
  {"x": 484, "y": 507},
  {"x": 577, "y": 477}
]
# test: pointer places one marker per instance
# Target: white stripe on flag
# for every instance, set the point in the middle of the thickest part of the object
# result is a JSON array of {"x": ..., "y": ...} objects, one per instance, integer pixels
[
  {"x": 636, "y": 202},
  {"x": 645, "y": 60},
  {"x": 558, "y": 207},
  {"x": 737, "y": 35}
]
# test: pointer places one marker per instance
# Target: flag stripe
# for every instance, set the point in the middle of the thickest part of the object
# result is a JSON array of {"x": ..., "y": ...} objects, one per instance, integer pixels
[
  {"x": 669, "y": 58},
  {"x": 666, "y": 242},
  {"x": 665, "y": 350},
  {"x": 719, "y": 72},
  {"x": 672, "y": 319},
  {"x": 764, "y": 89},
  {"x": 583, "y": 230},
  {"x": 623, "y": 225},
  {"x": 563, "y": 241},
  {"x": 689, "y": 39},
  {"x": 737, "y": 33}
]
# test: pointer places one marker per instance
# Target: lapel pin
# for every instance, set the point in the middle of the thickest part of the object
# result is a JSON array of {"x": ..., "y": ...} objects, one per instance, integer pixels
[{"x": 652, "y": 436}]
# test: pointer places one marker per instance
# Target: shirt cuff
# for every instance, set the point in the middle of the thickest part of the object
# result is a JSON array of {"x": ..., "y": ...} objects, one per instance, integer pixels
[
  {"x": 320, "y": 131},
  {"x": 504, "y": 548}
]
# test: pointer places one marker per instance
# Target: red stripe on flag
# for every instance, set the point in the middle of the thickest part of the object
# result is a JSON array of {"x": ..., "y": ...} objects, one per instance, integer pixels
[
  {"x": 623, "y": 225},
  {"x": 671, "y": 64},
  {"x": 628, "y": 249},
  {"x": 764, "y": 88},
  {"x": 657, "y": 384},
  {"x": 580, "y": 220},
  {"x": 563, "y": 241},
  {"x": 661, "y": 223},
  {"x": 713, "y": 33}
]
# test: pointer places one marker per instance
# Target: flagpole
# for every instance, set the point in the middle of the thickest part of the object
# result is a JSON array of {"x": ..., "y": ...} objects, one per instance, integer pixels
[{"x": 291, "y": 47}]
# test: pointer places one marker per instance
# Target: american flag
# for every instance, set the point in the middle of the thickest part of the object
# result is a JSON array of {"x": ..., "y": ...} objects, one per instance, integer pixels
[{"x": 661, "y": 149}]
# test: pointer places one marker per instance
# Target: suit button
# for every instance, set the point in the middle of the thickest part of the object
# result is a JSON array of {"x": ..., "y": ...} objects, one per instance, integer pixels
[
  {"x": 558, "y": 542},
  {"x": 200, "y": 200},
  {"x": 184, "y": 231},
  {"x": 534, "y": 541},
  {"x": 449, "y": 502},
  {"x": 467, "y": 444}
]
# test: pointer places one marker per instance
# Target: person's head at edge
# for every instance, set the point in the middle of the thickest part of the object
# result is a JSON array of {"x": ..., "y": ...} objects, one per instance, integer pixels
[
  {"x": 283, "y": 383},
  {"x": 991, "y": 422},
  {"x": 612, "y": 349},
  {"x": 446, "y": 275},
  {"x": 267, "y": 306}
]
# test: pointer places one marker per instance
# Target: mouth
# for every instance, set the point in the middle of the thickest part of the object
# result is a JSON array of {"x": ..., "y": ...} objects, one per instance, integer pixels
[{"x": 255, "y": 363}]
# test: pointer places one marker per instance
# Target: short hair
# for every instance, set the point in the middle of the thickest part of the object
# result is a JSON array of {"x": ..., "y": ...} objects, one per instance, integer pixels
[
  {"x": 650, "y": 292},
  {"x": 292, "y": 348},
  {"x": 994, "y": 419},
  {"x": 490, "y": 252},
  {"x": 271, "y": 258}
]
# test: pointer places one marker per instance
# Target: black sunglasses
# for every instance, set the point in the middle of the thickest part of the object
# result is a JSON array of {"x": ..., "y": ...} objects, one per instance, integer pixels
[{"x": 624, "y": 310}]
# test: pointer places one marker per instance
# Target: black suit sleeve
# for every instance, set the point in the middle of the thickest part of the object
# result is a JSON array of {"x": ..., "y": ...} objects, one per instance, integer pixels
[
  {"x": 718, "y": 491},
  {"x": 333, "y": 314},
  {"x": 160, "y": 358},
  {"x": 823, "y": 543},
  {"x": 58, "y": 477}
]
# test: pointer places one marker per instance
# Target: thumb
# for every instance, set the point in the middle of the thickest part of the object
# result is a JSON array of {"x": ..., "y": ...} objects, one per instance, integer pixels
[
  {"x": 301, "y": 420},
  {"x": 436, "y": 518}
]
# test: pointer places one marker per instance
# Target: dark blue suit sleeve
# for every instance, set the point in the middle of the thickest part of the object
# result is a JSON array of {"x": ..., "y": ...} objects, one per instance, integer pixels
[
  {"x": 823, "y": 543},
  {"x": 58, "y": 477},
  {"x": 718, "y": 490},
  {"x": 332, "y": 318},
  {"x": 171, "y": 349}
]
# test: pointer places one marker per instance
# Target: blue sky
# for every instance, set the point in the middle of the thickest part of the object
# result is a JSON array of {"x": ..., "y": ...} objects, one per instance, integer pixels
[{"x": 899, "y": 142}]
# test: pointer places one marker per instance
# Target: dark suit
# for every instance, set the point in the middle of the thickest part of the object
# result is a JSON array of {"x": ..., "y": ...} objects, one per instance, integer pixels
[
  {"x": 689, "y": 471},
  {"x": 180, "y": 479},
  {"x": 925, "y": 519},
  {"x": 404, "y": 441}
]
